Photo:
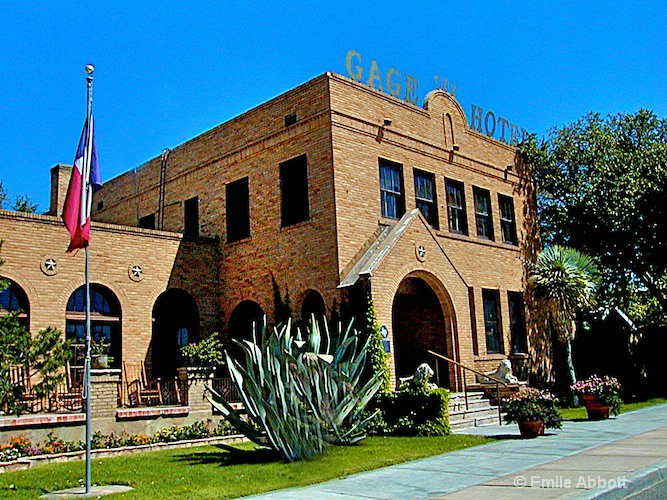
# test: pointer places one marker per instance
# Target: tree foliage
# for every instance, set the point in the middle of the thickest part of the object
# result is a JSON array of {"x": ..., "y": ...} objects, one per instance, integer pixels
[{"x": 602, "y": 188}]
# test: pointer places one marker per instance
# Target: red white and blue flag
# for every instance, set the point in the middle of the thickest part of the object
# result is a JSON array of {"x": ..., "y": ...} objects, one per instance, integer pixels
[{"x": 85, "y": 179}]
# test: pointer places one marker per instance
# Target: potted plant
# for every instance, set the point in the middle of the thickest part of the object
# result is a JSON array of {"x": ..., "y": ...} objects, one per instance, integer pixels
[
  {"x": 99, "y": 352},
  {"x": 601, "y": 395},
  {"x": 207, "y": 354},
  {"x": 533, "y": 409}
]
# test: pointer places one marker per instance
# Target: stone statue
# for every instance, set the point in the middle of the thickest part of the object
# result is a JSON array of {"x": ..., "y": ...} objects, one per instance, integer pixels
[
  {"x": 423, "y": 373},
  {"x": 503, "y": 373}
]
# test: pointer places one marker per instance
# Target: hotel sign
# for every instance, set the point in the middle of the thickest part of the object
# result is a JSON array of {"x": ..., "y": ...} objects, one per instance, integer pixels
[{"x": 405, "y": 86}]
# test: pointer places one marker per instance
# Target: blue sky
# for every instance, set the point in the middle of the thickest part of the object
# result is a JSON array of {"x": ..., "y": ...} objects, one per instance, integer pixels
[{"x": 167, "y": 71}]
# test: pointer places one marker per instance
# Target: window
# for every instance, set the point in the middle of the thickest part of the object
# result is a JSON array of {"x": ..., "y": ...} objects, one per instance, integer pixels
[
  {"x": 14, "y": 299},
  {"x": 391, "y": 190},
  {"x": 105, "y": 322},
  {"x": 492, "y": 321},
  {"x": 456, "y": 207},
  {"x": 191, "y": 218},
  {"x": 507, "y": 221},
  {"x": 425, "y": 196},
  {"x": 294, "y": 191},
  {"x": 290, "y": 119},
  {"x": 237, "y": 203},
  {"x": 517, "y": 322},
  {"x": 483, "y": 213},
  {"x": 147, "y": 221}
]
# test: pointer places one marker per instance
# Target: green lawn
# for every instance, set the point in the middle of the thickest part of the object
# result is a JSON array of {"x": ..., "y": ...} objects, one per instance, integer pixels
[
  {"x": 580, "y": 413},
  {"x": 213, "y": 472}
]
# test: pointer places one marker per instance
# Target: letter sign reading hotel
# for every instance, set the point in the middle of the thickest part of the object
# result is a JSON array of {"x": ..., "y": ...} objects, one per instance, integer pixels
[{"x": 499, "y": 128}]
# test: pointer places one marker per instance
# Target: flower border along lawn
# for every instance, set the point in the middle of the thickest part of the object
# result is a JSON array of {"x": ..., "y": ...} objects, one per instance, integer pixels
[{"x": 222, "y": 472}]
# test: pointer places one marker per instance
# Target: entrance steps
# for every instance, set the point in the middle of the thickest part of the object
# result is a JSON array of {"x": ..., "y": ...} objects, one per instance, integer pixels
[{"x": 480, "y": 411}]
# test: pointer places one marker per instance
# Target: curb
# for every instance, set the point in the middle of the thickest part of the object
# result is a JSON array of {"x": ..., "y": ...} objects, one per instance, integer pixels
[{"x": 636, "y": 482}]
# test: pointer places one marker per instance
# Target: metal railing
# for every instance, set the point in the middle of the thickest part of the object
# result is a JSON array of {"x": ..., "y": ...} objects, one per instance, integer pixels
[{"x": 481, "y": 374}]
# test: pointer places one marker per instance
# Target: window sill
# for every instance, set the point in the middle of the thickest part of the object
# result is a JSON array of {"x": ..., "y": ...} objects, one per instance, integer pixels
[{"x": 238, "y": 242}]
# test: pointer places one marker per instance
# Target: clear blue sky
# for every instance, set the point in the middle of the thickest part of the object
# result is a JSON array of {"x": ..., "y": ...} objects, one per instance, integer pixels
[{"x": 167, "y": 71}]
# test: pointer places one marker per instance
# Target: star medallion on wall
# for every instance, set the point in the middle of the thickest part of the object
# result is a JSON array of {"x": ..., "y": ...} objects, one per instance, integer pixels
[
  {"x": 420, "y": 252},
  {"x": 136, "y": 273},
  {"x": 49, "y": 266}
]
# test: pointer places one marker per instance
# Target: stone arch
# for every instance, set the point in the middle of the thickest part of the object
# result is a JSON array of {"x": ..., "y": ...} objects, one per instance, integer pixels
[
  {"x": 175, "y": 324},
  {"x": 423, "y": 319},
  {"x": 105, "y": 321}
]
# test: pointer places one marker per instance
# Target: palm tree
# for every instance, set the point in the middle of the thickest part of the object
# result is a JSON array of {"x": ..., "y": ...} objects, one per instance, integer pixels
[{"x": 565, "y": 281}]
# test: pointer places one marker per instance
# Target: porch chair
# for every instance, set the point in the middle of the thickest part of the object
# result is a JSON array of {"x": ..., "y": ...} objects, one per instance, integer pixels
[
  {"x": 19, "y": 375},
  {"x": 140, "y": 391},
  {"x": 69, "y": 395}
]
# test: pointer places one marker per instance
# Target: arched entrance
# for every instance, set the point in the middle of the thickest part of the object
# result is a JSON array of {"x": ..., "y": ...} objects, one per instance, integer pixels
[
  {"x": 175, "y": 324},
  {"x": 246, "y": 318},
  {"x": 105, "y": 324},
  {"x": 313, "y": 305},
  {"x": 419, "y": 324}
]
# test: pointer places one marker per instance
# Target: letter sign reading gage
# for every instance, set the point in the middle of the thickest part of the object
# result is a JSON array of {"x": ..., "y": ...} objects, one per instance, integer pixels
[{"x": 396, "y": 85}]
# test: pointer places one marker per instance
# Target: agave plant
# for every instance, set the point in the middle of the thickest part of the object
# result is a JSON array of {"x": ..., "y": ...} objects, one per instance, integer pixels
[{"x": 300, "y": 394}]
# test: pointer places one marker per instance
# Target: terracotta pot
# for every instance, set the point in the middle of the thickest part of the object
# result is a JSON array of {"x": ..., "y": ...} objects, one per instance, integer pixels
[
  {"x": 531, "y": 429},
  {"x": 595, "y": 408}
]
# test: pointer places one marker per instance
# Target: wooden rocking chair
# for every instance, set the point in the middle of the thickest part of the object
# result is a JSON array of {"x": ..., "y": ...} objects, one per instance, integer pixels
[
  {"x": 19, "y": 375},
  {"x": 139, "y": 390},
  {"x": 69, "y": 395}
]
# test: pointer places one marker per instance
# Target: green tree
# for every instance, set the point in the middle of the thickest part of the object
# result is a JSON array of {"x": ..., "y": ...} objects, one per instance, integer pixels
[
  {"x": 565, "y": 281},
  {"x": 24, "y": 204},
  {"x": 44, "y": 354},
  {"x": 3, "y": 196},
  {"x": 602, "y": 188}
]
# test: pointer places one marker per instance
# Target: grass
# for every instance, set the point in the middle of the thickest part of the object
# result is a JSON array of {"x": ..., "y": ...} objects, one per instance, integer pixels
[
  {"x": 216, "y": 472},
  {"x": 580, "y": 413}
]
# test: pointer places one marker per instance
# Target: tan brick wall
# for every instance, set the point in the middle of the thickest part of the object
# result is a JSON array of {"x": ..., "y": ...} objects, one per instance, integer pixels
[
  {"x": 30, "y": 239},
  {"x": 340, "y": 129}
]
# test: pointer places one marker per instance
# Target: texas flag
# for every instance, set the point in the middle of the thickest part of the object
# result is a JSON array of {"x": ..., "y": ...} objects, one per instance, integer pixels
[{"x": 85, "y": 179}]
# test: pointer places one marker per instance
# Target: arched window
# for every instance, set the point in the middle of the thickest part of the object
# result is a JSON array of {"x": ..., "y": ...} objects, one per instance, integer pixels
[
  {"x": 13, "y": 298},
  {"x": 105, "y": 325}
]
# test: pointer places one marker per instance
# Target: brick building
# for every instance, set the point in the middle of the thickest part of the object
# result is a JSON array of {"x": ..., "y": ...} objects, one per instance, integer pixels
[{"x": 326, "y": 187}]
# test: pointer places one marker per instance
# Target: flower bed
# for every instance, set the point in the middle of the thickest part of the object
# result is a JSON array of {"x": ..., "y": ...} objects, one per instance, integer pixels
[{"x": 21, "y": 447}]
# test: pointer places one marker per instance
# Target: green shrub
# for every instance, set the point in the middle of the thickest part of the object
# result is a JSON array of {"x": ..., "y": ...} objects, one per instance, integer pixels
[{"x": 413, "y": 410}]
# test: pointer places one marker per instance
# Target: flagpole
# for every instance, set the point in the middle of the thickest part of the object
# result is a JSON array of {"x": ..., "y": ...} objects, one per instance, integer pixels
[{"x": 89, "y": 472}]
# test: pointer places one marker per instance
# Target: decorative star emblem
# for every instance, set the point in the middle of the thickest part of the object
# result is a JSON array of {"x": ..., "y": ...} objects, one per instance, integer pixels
[
  {"x": 136, "y": 271},
  {"x": 50, "y": 264},
  {"x": 421, "y": 251}
]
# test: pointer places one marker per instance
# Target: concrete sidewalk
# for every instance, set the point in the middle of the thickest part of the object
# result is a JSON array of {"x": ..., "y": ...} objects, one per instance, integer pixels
[{"x": 612, "y": 458}]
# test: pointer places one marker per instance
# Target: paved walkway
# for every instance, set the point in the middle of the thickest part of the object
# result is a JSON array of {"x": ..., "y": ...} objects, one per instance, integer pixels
[{"x": 605, "y": 459}]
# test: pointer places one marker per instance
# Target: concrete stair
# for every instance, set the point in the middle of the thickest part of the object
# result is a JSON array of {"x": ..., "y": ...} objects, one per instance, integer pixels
[{"x": 479, "y": 412}]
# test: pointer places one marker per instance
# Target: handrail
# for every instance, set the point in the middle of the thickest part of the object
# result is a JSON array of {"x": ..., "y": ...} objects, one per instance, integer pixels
[
  {"x": 468, "y": 368},
  {"x": 465, "y": 386}
]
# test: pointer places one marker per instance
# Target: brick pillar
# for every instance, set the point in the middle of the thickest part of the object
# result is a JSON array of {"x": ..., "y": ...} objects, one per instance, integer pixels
[
  {"x": 194, "y": 378},
  {"x": 105, "y": 386}
]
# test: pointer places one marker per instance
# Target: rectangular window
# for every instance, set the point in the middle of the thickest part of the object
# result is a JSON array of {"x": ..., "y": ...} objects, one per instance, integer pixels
[
  {"x": 483, "y": 218},
  {"x": 147, "y": 221},
  {"x": 507, "y": 220},
  {"x": 391, "y": 190},
  {"x": 456, "y": 207},
  {"x": 425, "y": 196},
  {"x": 492, "y": 321},
  {"x": 237, "y": 203},
  {"x": 517, "y": 322},
  {"x": 191, "y": 218},
  {"x": 294, "y": 207}
]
